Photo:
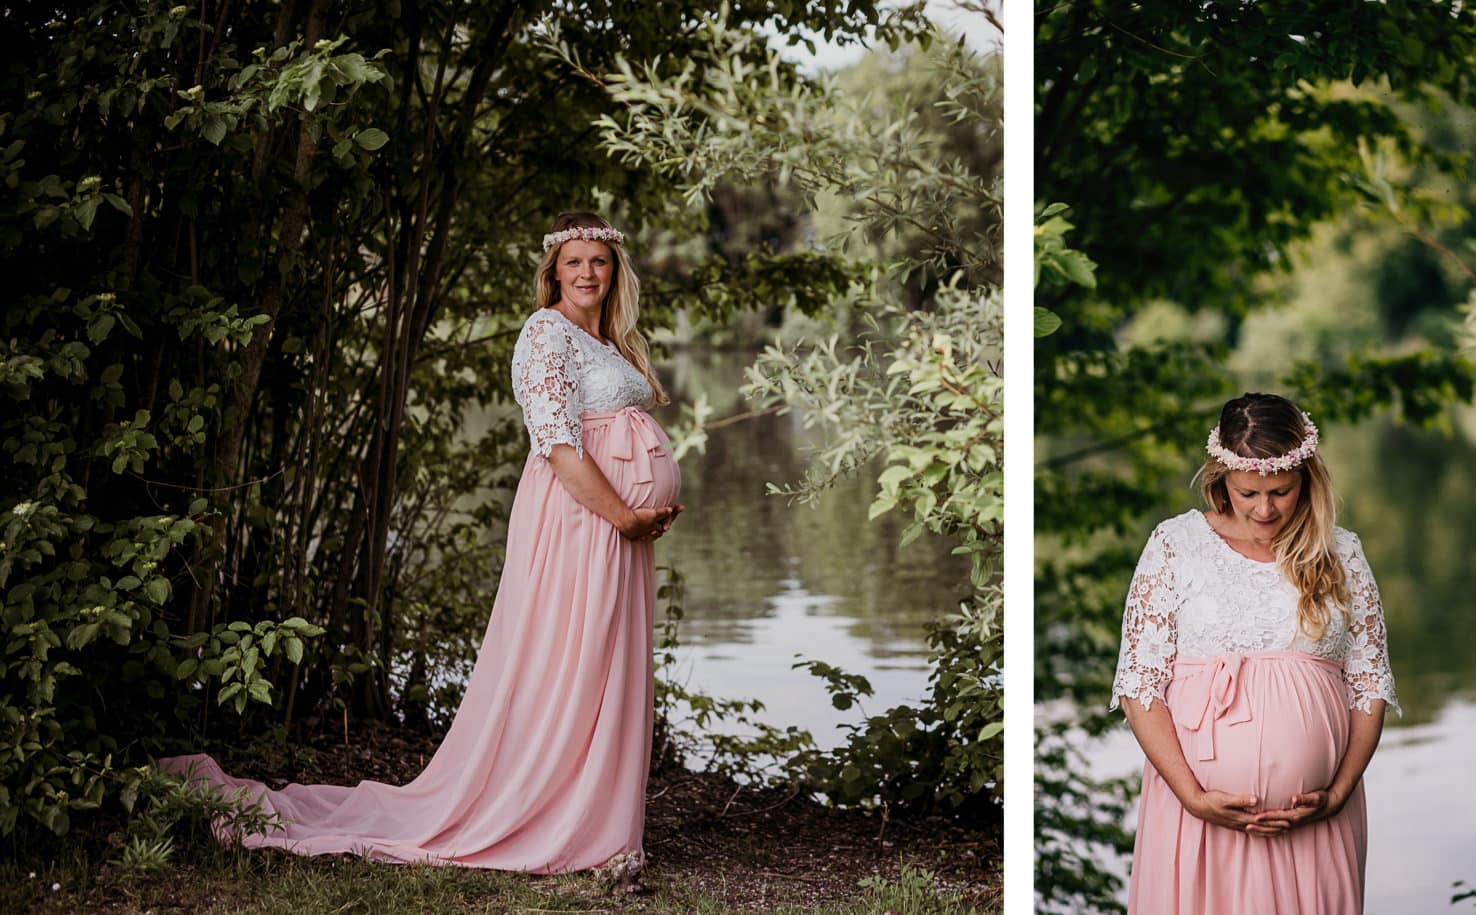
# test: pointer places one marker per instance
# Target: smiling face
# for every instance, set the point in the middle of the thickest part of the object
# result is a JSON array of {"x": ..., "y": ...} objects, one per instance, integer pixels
[
  {"x": 584, "y": 270},
  {"x": 1263, "y": 505}
]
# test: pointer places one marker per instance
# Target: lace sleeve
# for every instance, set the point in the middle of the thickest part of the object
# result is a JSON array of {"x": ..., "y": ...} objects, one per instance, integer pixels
[
  {"x": 1145, "y": 660},
  {"x": 1366, "y": 666},
  {"x": 546, "y": 384}
]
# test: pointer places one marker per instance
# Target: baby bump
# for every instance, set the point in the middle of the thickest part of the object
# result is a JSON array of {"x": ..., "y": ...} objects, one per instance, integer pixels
[
  {"x": 635, "y": 456},
  {"x": 1272, "y": 725},
  {"x": 664, "y": 487}
]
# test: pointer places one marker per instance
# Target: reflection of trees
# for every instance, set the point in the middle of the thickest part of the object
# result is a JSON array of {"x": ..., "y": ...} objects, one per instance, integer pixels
[
  {"x": 1410, "y": 496},
  {"x": 740, "y": 545}
]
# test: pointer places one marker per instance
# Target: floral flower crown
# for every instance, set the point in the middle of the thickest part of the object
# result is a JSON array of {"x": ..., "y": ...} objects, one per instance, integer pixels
[
  {"x": 1281, "y": 462},
  {"x": 583, "y": 233}
]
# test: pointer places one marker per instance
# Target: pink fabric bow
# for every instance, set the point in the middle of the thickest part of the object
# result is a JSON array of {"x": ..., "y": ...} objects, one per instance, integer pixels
[
  {"x": 1210, "y": 695},
  {"x": 635, "y": 437}
]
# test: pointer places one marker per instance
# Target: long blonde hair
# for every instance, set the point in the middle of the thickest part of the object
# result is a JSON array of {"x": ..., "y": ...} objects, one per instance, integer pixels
[
  {"x": 622, "y": 305},
  {"x": 1267, "y": 425}
]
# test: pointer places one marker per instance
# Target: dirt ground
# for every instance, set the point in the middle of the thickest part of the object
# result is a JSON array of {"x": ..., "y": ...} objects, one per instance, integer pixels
[{"x": 753, "y": 848}]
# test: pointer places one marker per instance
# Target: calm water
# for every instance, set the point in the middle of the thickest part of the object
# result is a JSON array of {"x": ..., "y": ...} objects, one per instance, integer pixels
[
  {"x": 769, "y": 582},
  {"x": 1411, "y": 497}
]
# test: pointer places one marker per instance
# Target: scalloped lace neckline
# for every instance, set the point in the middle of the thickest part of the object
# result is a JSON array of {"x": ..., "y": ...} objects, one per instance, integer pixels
[{"x": 570, "y": 321}]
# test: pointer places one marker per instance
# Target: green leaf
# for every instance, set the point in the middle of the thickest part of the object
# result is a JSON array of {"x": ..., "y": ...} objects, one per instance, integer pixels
[
  {"x": 1047, "y": 322},
  {"x": 228, "y": 692},
  {"x": 119, "y": 204},
  {"x": 157, "y": 590},
  {"x": 100, "y": 327},
  {"x": 879, "y": 507},
  {"x": 371, "y": 138},
  {"x": 214, "y": 130},
  {"x": 893, "y": 476},
  {"x": 85, "y": 211}
]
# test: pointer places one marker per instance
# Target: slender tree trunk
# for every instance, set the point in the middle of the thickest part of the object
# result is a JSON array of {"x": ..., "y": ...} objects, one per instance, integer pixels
[
  {"x": 413, "y": 298},
  {"x": 226, "y": 464}
]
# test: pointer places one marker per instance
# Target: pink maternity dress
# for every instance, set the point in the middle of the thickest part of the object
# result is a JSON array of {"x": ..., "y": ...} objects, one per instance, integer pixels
[
  {"x": 544, "y": 768},
  {"x": 1259, "y": 709}
]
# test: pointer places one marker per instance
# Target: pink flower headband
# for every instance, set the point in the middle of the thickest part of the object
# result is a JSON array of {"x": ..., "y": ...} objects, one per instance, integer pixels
[
  {"x": 582, "y": 233},
  {"x": 1263, "y": 466}
]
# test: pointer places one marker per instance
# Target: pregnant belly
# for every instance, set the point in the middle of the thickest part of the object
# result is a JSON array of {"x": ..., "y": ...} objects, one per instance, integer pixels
[
  {"x": 634, "y": 454},
  {"x": 1283, "y": 729}
]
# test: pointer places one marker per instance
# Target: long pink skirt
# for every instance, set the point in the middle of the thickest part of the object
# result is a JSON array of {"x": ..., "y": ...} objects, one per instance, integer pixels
[
  {"x": 544, "y": 768},
  {"x": 1268, "y": 724}
]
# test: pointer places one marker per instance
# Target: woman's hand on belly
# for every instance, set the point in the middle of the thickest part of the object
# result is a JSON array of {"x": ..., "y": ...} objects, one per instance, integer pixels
[
  {"x": 591, "y": 488},
  {"x": 1308, "y": 807},
  {"x": 1232, "y": 811},
  {"x": 648, "y": 523},
  {"x": 1154, "y": 728}
]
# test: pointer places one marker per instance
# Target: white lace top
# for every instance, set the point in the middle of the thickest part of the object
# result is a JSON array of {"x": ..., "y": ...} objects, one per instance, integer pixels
[
  {"x": 560, "y": 372},
  {"x": 1192, "y": 594}
]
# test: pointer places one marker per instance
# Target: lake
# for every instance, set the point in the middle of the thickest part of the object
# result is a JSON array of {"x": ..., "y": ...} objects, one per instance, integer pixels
[{"x": 769, "y": 582}]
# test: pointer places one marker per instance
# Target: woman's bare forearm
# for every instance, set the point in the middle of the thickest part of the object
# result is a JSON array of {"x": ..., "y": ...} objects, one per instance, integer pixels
[
  {"x": 1364, "y": 731},
  {"x": 589, "y": 487},
  {"x": 1154, "y": 728}
]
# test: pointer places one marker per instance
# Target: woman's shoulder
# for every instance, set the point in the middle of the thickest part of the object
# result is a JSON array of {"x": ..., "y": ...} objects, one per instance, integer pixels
[
  {"x": 542, "y": 326},
  {"x": 544, "y": 317},
  {"x": 1180, "y": 526},
  {"x": 1347, "y": 543},
  {"x": 1172, "y": 536}
]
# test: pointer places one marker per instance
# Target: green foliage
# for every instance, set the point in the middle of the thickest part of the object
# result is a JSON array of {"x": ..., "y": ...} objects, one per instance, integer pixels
[
  {"x": 1461, "y": 894},
  {"x": 914, "y": 892},
  {"x": 171, "y": 807},
  {"x": 945, "y": 755},
  {"x": 233, "y": 655},
  {"x": 745, "y": 120}
]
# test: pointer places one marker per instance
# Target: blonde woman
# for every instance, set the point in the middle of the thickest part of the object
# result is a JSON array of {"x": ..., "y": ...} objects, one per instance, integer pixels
[
  {"x": 544, "y": 768},
  {"x": 1254, "y": 674}
]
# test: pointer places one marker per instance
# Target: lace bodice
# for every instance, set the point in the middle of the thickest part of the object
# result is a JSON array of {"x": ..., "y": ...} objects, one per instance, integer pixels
[
  {"x": 1192, "y": 594},
  {"x": 560, "y": 373}
]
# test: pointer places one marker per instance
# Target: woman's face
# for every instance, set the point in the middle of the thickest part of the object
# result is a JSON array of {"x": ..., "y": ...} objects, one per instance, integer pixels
[
  {"x": 1266, "y": 503},
  {"x": 584, "y": 272}
]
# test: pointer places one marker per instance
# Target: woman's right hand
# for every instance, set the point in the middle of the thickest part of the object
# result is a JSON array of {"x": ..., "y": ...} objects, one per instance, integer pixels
[
  {"x": 1232, "y": 811},
  {"x": 648, "y": 523}
]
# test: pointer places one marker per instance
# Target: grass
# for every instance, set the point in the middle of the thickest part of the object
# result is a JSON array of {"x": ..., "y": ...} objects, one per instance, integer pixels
[
  {"x": 276, "y": 883},
  {"x": 713, "y": 847}
]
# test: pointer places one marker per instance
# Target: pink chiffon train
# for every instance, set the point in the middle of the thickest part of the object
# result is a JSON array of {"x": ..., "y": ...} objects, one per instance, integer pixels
[
  {"x": 1268, "y": 724},
  {"x": 545, "y": 765}
]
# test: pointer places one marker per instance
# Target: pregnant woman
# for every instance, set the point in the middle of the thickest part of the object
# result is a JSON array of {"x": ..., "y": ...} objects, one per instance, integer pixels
[
  {"x": 544, "y": 768},
  {"x": 1254, "y": 673}
]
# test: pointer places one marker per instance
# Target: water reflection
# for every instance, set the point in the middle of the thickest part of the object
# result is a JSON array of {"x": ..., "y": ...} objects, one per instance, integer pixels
[
  {"x": 1411, "y": 497},
  {"x": 767, "y": 579}
]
